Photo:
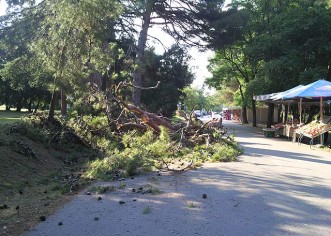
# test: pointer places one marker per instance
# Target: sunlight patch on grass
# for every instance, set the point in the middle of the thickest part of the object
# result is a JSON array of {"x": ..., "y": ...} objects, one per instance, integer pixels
[{"x": 10, "y": 117}]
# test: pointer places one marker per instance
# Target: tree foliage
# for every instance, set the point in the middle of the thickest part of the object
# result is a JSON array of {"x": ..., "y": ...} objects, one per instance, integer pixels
[
  {"x": 173, "y": 72},
  {"x": 280, "y": 44},
  {"x": 199, "y": 99},
  {"x": 24, "y": 80},
  {"x": 184, "y": 20}
]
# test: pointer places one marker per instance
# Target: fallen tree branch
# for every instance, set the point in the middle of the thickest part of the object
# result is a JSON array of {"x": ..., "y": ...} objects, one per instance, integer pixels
[
  {"x": 129, "y": 126},
  {"x": 142, "y": 88}
]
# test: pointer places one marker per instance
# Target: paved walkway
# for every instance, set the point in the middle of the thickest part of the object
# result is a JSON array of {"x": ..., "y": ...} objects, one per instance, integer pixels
[{"x": 276, "y": 188}]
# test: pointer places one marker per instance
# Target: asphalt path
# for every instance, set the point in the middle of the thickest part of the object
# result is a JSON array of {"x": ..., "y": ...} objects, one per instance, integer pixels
[{"x": 276, "y": 188}]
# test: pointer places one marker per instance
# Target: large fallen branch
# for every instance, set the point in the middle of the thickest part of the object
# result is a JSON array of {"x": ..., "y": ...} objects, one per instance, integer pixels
[
  {"x": 148, "y": 118},
  {"x": 129, "y": 126},
  {"x": 191, "y": 130}
]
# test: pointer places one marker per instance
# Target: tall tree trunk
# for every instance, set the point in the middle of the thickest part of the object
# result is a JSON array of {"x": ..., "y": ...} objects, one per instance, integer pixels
[
  {"x": 244, "y": 119},
  {"x": 63, "y": 103},
  {"x": 7, "y": 102},
  {"x": 137, "y": 77},
  {"x": 270, "y": 121},
  {"x": 30, "y": 105},
  {"x": 37, "y": 106},
  {"x": 51, "y": 111},
  {"x": 19, "y": 104},
  {"x": 104, "y": 79},
  {"x": 254, "y": 112}
]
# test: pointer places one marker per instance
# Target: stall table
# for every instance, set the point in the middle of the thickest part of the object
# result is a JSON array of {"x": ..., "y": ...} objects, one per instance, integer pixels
[{"x": 312, "y": 130}]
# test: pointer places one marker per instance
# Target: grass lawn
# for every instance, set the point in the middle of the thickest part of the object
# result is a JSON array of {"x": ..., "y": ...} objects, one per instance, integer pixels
[{"x": 9, "y": 117}]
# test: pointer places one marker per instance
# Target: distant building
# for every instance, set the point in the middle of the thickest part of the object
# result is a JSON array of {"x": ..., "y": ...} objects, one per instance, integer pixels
[{"x": 234, "y": 113}]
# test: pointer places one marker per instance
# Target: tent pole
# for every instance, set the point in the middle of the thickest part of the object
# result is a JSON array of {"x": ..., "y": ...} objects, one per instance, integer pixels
[
  {"x": 321, "y": 108},
  {"x": 300, "y": 107},
  {"x": 289, "y": 105},
  {"x": 321, "y": 117},
  {"x": 304, "y": 115}
]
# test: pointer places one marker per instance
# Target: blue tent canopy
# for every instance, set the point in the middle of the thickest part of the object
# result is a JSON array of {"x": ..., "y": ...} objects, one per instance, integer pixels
[
  {"x": 318, "y": 89},
  {"x": 275, "y": 96},
  {"x": 315, "y": 90},
  {"x": 281, "y": 95}
]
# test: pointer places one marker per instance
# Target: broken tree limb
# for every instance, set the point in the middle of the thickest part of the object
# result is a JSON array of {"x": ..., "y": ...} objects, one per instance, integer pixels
[
  {"x": 160, "y": 120},
  {"x": 142, "y": 88},
  {"x": 148, "y": 118},
  {"x": 129, "y": 126}
]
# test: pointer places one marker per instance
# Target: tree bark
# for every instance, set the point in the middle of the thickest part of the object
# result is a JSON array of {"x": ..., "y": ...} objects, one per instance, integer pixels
[
  {"x": 254, "y": 112},
  {"x": 244, "y": 119},
  {"x": 7, "y": 99},
  {"x": 148, "y": 118},
  {"x": 137, "y": 77},
  {"x": 19, "y": 104},
  {"x": 37, "y": 106},
  {"x": 104, "y": 79},
  {"x": 63, "y": 103},
  {"x": 51, "y": 111},
  {"x": 129, "y": 126},
  {"x": 30, "y": 105}
]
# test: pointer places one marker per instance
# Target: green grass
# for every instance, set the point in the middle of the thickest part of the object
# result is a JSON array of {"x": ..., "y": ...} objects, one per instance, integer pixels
[
  {"x": 147, "y": 210},
  {"x": 10, "y": 117},
  {"x": 191, "y": 205}
]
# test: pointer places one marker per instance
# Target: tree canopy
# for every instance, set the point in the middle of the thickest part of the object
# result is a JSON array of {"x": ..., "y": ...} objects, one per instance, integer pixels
[
  {"x": 278, "y": 45},
  {"x": 63, "y": 47}
]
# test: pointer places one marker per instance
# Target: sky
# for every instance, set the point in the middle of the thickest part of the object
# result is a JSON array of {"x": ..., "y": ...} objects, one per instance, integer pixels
[
  {"x": 198, "y": 62},
  {"x": 3, "y": 7}
]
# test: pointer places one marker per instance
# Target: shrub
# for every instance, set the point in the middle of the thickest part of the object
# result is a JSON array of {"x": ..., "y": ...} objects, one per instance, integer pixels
[
  {"x": 224, "y": 153},
  {"x": 105, "y": 168},
  {"x": 95, "y": 131},
  {"x": 129, "y": 154}
]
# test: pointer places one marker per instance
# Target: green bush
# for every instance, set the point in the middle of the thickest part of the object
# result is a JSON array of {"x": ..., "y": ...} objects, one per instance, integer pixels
[
  {"x": 224, "y": 153},
  {"x": 137, "y": 164},
  {"x": 95, "y": 130},
  {"x": 129, "y": 154},
  {"x": 105, "y": 168},
  {"x": 143, "y": 152},
  {"x": 31, "y": 131}
]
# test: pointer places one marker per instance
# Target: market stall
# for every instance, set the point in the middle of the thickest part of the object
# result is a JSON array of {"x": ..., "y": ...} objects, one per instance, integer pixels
[
  {"x": 286, "y": 129},
  {"x": 312, "y": 130},
  {"x": 318, "y": 92}
]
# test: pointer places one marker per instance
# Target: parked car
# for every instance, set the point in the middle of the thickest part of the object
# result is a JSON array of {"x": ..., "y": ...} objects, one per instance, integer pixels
[
  {"x": 217, "y": 115},
  {"x": 198, "y": 113}
]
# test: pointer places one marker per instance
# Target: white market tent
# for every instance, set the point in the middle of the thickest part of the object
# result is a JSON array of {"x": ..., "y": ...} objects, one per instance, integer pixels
[{"x": 276, "y": 96}]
